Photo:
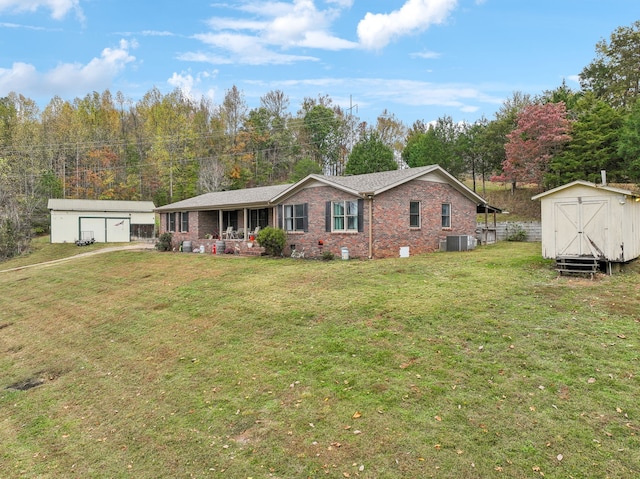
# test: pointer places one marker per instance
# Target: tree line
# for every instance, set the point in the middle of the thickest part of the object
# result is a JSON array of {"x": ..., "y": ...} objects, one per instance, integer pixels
[{"x": 169, "y": 147}]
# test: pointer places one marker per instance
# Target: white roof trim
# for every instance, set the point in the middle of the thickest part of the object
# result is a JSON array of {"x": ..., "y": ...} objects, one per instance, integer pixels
[{"x": 610, "y": 189}]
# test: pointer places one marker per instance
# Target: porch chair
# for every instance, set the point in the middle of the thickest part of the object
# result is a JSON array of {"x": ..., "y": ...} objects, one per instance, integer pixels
[{"x": 229, "y": 233}]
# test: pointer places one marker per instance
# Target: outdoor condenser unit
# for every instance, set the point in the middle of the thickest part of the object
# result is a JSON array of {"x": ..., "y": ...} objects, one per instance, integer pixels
[{"x": 460, "y": 242}]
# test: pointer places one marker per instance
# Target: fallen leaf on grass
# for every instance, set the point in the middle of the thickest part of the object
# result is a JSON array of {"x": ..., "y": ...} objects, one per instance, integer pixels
[
  {"x": 356, "y": 415},
  {"x": 591, "y": 380},
  {"x": 437, "y": 418}
]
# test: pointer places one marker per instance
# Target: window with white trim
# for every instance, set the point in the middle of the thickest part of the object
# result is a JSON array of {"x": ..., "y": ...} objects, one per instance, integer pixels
[
  {"x": 295, "y": 217},
  {"x": 258, "y": 218},
  {"x": 184, "y": 222},
  {"x": 171, "y": 222},
  {"x": 446, "y": 215},
  {"x": 344, "y": 215},
  {"x": 414, "y": 214}
]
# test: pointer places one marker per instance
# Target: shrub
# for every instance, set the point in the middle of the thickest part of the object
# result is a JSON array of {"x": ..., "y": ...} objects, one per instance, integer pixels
[
  {"x": 327, "y": 256},
  {"x": 272, "y": 240},
  {"x": 516, "y": 232},
  {"x": 164, "y": 242}
]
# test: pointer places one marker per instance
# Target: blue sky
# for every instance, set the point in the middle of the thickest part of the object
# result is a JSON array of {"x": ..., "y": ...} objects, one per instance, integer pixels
[{"x": 418, "y": 59}]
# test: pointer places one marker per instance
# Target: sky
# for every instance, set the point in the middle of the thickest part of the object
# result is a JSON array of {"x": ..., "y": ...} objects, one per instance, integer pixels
[{"x": 416, "y": 59}]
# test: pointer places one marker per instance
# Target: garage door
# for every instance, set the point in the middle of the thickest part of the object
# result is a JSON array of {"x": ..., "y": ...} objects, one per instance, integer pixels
[
  {"x": 106, "y": 230},
  {"x": 118, "y": 230}
]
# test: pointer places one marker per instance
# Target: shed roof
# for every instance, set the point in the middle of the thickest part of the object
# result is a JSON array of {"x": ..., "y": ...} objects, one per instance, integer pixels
[
  {"x": 609, "y": 189},
  {"x": 59, "y": 204}
]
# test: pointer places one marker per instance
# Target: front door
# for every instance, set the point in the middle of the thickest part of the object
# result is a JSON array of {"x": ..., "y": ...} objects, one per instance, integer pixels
[{"x": 581, "y": 227}]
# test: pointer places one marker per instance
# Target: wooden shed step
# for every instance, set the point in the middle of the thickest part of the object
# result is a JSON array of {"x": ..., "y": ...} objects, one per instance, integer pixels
[{"x": 577, "y": 265}]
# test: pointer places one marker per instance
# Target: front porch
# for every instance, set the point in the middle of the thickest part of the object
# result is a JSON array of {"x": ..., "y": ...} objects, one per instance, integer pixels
[{"x": 238, "y": 224}]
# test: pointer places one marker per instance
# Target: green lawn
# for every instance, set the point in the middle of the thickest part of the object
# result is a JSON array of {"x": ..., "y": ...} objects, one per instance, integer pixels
[{"x": 481, "y": 364}]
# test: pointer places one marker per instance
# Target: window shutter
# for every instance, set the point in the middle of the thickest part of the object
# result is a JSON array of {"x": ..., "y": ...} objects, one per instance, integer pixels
[
  {"x": 327, "y": 217},
  {"x": 361, "y": 215},
  {"x": 305, "y": 217},
  {"x": 280, "y": 216}
]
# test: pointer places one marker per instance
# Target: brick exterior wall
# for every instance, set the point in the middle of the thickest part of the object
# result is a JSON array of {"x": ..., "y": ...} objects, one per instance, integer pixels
[
  {"x": 316, "y": 199},
  {"x": 390, "y": 225},
  {"x": 390, "y": 220}
]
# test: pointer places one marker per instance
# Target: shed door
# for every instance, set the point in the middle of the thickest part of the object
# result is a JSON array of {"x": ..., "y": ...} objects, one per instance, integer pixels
[{"x": 581, "y": 228}]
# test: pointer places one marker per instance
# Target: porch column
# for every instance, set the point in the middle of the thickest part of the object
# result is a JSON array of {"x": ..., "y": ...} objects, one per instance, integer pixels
[
  {"x": 245, "y": 224},
  {"x": 220, "y": 223}
]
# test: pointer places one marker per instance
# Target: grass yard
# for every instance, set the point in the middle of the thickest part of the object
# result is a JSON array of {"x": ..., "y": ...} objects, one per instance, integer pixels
[{"x": 482, "y": 364}]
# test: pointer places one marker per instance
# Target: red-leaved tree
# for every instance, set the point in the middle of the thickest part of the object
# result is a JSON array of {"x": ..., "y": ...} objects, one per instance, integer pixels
[{"x": 541, "y": 132}]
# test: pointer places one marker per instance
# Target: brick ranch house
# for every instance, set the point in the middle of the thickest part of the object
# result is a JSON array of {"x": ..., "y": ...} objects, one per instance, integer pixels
[{"x": 373, "y": 215}]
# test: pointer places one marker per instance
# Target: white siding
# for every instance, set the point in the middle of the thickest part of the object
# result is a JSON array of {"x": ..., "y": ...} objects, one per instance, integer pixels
[
  {"x": 111, "y": 223},
  {"x": 591, "y": 221}
]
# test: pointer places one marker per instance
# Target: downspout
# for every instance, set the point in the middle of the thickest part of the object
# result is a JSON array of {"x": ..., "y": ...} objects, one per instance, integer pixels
[{"x": 370, "y": 196}]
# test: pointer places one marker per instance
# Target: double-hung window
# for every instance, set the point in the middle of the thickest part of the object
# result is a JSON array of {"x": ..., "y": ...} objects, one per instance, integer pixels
[
  {"x": 184, "y": 222},
  {"x": 344, "y": 215},
  {"x": 171, "y": 222},
  {"x": 446, "y": 215},
  {"x": 295, "y": 217},
  {"x": 258, "y": 218},
  {"x": 414, "y": 214}
]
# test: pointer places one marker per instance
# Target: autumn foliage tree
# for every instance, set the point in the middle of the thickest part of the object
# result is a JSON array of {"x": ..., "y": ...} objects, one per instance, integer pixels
[{"x": 541, "y": 132}]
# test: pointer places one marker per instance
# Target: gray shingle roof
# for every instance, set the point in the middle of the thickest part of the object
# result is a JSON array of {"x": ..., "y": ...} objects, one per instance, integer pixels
[
  {"x": 226, "y": 199},
  {"x": 59, "y": 204},
  {"x": 372, "y": 183},
  {"x": 375, "y": 182}
]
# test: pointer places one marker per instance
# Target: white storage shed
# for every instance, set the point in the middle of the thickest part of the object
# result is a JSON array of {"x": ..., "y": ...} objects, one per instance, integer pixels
[
  {"x": 104, "y": 221},
  {"x": 586, "y": 220}
]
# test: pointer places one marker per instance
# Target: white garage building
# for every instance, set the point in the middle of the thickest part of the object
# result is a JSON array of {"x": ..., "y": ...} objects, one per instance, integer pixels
[{"x": 105, "y": 221}]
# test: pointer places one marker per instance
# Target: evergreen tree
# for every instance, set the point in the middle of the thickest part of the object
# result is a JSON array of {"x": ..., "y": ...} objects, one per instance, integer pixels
[{"x": 370, "y": 155}]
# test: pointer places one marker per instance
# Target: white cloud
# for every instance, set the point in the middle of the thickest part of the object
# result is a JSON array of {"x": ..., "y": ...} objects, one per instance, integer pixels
[
  {"x": 275, "y": 25},
  {"x": 59, "y": 8},
  {"x": 157, "y": 33},
  {"x": 465, "y": 98},
  {"x": 376, "y": 31},
  {"x": 425, "y": 55},
  {"x": 342, "y": 3},
  {"x": 243, "y": 49},
  {"x": 189, "y": 85},
  {"x": 18, "y": 26},
  {"x": 217, "y": 23},
  {"x": 67, "y": 78}
]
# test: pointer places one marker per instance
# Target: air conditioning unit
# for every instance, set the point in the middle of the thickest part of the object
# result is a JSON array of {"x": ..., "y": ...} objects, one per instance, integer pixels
[{"x": 461, "y": 242}]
